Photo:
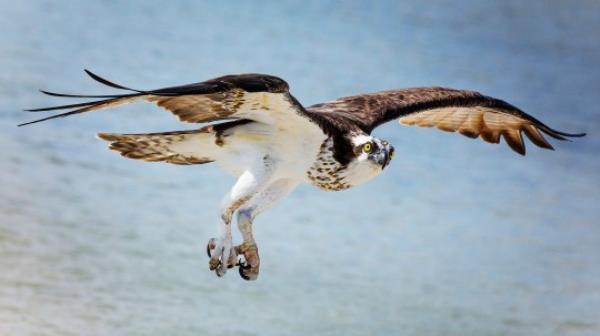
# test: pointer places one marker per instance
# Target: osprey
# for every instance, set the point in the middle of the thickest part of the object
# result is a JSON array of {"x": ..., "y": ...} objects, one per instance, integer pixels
[{"x": 272, "y": 143}]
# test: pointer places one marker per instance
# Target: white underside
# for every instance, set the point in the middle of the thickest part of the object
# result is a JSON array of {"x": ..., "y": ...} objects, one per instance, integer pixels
[
  {"x": 270, "y": 160},
  {"x": 289, "y": 150}
]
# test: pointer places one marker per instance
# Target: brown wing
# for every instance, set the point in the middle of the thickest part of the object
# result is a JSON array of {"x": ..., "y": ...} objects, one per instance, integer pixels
[
  {"x": 470, "y": 113},
  {"x": 245, "y": 96},
  {"x": 181, "y": 147}
]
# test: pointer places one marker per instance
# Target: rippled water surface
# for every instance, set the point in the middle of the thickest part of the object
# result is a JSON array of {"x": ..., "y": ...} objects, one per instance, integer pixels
[{"x": 458, "y": 237}]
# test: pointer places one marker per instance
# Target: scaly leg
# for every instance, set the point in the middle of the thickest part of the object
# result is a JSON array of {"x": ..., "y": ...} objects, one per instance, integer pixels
[
  {"x": 260, "y": 202},
  {"x": 220, "y": 250}
]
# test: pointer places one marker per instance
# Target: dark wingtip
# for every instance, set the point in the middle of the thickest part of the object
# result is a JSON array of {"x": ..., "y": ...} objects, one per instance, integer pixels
[
  {"x": 560, "y": 135},
  {"x": 109, "y": 83},
  {"x": 62, "y": 107},
  {"x": 95, "y": 77},
  {"x": 28, "y": 123},
  {"x": 100, "y": 79},
  {"x": 39, "y": 120},
  {"x": 570, "y": 135},
  {"x": 68, "y": 95},
  {"x": 48, "y": 118},
  {"x": 89, "y": 73},
  {"x": 53, "y": 94}
]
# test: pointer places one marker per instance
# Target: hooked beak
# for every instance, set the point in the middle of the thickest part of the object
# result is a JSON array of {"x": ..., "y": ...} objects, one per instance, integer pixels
[
  {"x": 387, "y": 157},
  {"x": 386, "y": 160}
]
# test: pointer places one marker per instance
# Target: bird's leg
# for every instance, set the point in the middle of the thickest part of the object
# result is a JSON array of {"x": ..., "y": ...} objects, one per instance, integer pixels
[
  {"x": 220, "y": 250},
  {"x": 250, "y": 264}
]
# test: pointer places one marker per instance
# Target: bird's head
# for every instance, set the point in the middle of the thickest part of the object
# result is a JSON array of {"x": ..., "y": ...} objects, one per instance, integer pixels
[
  {"x": 369, "y": 157},
  {"x": 375, "y": 153}
]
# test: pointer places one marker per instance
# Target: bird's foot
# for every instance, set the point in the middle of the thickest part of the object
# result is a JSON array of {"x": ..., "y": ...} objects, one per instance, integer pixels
[
  {"x": 250, "y": 262},
  {"x": 222, "y": 255}
]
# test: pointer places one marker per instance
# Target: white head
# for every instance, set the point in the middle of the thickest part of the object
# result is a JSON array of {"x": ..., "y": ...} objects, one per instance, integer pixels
[{"x": 371, "y": 156}]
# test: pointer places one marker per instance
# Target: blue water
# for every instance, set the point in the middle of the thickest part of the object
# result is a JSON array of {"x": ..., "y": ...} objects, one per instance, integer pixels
[{"x": 458, "y": 237}]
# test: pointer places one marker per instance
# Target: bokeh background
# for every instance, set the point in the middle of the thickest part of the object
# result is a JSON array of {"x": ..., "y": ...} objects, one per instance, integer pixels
[{"x": 458, "y": 237}]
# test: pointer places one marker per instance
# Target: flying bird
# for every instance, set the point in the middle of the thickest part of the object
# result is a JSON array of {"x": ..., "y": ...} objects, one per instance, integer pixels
[{"x": 258, "y": 132}]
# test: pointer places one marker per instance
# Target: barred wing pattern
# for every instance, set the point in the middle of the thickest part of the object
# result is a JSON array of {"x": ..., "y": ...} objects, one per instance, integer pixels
[
  {"x": 257, "y": 97},
  {"x": 467, "y": 112}
]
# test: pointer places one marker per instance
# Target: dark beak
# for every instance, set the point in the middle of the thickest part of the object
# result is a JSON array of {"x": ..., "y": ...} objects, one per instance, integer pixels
[
  {"x": 386, "y": 160},
  {"x": 387, "y": 157}
]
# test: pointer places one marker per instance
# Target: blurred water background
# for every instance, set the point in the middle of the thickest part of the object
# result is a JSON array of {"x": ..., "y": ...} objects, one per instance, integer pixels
[{"x": 458, "y": 237}]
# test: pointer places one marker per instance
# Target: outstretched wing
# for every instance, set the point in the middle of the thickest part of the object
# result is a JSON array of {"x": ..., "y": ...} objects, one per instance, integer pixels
[
  {"x": 468, "y": 112},
  {"x": 180, "y": 147},
  {"x": 257, "y": 97}
]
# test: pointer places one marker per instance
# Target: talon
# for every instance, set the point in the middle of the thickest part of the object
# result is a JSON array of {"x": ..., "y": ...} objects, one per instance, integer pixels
[
  {"x": 249, "y": 263},
  {"x": 219, "y": 273},
  {"x": 244, "y": 276},
  {"x": 245, "y": 256},
  {"x": 212, "y": 243},
  {"x": 214, "y": 263}
]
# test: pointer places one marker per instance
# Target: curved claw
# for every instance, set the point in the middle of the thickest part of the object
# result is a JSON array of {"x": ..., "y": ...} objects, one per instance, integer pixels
[
  {"x": 214, "y": 263},
  {"x": 249, "y": 264},
  {"x": 212, "y": 243},
  {"x": 241, "y": 271},
  {"x": 219, "y": 273},
  {"x": 245, "y": 266}
]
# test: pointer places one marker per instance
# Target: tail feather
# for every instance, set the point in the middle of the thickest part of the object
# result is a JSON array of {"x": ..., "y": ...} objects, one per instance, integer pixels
[{"x": 182, "y": 147}]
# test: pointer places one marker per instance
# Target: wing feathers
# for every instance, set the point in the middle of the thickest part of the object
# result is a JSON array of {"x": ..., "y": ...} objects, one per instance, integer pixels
[
  {"x": 227, "y": 97},
  {"x": 109, "y": 83},
  {"x": 536, "y": 137},
  {"x": 486, "y": 123},
  {"x": 466, "y": 112},
  {"x": 182, "y": 147},
  {"x": 54, "y": 94},
  {"x": 198, "y": 108},
  {"x": 88, "y": 107},
  {"x": 490, "y": 136},
  {"x": 514, "y": 140}
]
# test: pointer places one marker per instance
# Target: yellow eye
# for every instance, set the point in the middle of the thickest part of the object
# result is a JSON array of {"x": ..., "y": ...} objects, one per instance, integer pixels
[
  {"x": 367, "y": 147},
  {"x": 392, "y": 154}
]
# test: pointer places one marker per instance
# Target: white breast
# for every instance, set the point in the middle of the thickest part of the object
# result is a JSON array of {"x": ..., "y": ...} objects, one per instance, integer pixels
[{"x": 290, "y": 146}]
